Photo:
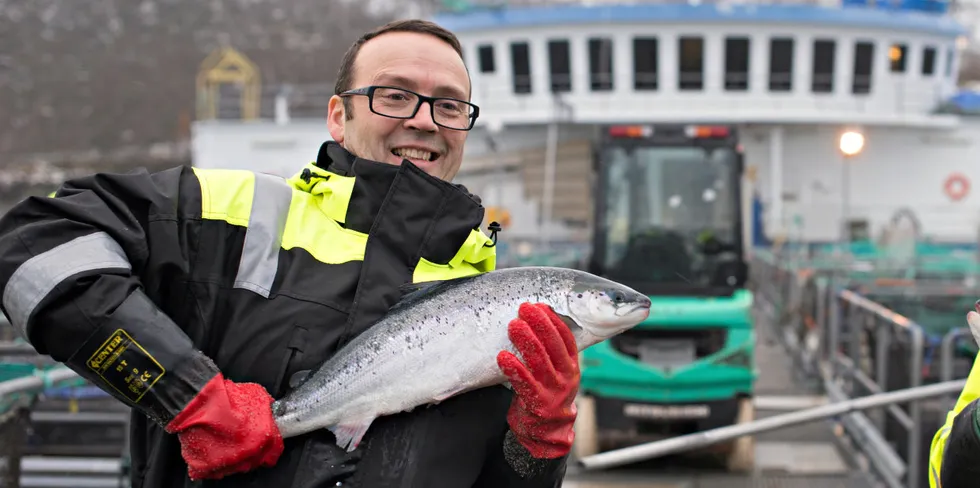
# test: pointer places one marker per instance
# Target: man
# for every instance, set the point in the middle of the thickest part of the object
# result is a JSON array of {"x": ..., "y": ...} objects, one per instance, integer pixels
[
  {"x": 197, "y": 296},
  {"x": 953, "y": 459}
]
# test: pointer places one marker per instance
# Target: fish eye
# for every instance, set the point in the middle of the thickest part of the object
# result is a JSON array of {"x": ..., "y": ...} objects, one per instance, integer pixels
[{"x": 616, "y": 296}]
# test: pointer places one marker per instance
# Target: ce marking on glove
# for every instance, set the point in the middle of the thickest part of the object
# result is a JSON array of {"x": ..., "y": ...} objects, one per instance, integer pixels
[{"x": 126, "y": 366}]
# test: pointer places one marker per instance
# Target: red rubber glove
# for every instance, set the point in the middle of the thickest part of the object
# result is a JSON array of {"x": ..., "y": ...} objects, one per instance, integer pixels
[
  {"x": 542, "y": 415},
  {"x": 227, "y": 428}
]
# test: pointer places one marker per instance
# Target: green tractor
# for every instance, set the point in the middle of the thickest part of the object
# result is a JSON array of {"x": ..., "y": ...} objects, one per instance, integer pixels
[{"x": 668, "y": 223}]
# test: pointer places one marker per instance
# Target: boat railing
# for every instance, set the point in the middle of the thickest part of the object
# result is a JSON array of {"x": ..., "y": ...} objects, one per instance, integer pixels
[{"x": 462, "y": 6}]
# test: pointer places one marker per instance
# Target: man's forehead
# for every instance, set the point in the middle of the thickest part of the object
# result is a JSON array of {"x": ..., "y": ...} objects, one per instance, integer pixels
[{"x": 409, "y": 58}]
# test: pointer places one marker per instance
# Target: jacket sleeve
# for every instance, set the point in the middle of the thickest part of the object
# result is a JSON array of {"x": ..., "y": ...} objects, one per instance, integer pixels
[
  {"x": 70, "y": 271},
  {"x": 513, "y": 466},
  {"x": 954, "y": 458}
]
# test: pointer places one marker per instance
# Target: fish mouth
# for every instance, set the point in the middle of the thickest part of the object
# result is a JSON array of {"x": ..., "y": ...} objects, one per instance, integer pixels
[{"x": 628, "y": 310}]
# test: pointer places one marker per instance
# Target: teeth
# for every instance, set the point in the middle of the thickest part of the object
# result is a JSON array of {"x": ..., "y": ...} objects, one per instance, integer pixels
[{"x": 413, "y": 153}]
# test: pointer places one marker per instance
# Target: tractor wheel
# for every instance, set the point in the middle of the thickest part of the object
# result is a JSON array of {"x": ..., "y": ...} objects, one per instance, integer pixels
[
  {"x": 741, "y": 452},
  {"x": 586, "y": 428}
]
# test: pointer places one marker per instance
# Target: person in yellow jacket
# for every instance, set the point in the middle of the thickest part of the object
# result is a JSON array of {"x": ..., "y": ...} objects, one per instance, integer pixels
[
  {"x": 954, "y": 458},
  {"x": 196, "y": 296}
]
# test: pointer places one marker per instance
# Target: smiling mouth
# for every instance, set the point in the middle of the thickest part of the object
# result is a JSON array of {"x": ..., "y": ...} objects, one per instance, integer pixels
[{"x": 417, "y": 154}]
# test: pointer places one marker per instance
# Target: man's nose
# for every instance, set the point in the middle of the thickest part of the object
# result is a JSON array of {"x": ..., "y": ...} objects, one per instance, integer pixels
[{"x": 423, "y": 119}]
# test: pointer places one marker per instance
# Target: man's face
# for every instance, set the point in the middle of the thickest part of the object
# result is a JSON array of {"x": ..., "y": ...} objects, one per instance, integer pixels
[{"x": 419, "y": 62}]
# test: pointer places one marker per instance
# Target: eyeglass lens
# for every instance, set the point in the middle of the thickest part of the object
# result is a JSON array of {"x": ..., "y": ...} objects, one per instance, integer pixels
[{"x": 399, "y": 103}]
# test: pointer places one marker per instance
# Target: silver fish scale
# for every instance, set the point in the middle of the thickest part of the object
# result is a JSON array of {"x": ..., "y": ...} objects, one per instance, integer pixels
[{"x": 438, "y": 345}]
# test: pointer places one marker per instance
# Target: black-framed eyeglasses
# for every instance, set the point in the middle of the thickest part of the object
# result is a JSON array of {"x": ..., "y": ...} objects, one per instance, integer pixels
[{"x": 399, "y": 103}]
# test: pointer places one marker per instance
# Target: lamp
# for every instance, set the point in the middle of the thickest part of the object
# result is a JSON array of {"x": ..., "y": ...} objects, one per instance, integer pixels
[{"x": 850, "y": 144}]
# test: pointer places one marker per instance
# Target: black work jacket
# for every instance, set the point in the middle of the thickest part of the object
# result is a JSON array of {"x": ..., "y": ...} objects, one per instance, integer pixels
[{"x": 147, "y": 285}]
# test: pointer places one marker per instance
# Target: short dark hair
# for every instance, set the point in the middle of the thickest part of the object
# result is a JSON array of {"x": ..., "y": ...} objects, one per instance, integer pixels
[{"x": 345, "y": 77}]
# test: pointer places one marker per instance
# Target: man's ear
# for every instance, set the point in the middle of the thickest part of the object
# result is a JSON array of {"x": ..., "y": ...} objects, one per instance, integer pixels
[{"x": 336, "y": 115}]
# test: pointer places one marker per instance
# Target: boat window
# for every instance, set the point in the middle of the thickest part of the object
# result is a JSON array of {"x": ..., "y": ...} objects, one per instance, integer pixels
[
  {"x": 601, "y": 64},
  {"x": 691, "y": 57},
  {"x": 863, "y": 64},
  {"x": 486, "y": 59},
  {"x": 521, "y": 67},
  {"x": 645, "y": 62},
  {"x": 824, "y": 54},
  {"x": 781, "y": 64},
  {"x": 929, "y": 61},
  {"x": 897, "y": 56},
  {"x": 737, "y": 63},
  {"x": 559, "y": 65}
]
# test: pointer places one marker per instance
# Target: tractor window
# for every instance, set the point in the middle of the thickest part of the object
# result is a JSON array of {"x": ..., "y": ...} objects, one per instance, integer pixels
[{"x": 663, "y": 206}]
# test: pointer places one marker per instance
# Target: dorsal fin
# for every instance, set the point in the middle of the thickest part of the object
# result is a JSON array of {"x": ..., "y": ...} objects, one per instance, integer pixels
[
  {"x": 409, "y": 288},
  {"x": 412, "y": 292}
]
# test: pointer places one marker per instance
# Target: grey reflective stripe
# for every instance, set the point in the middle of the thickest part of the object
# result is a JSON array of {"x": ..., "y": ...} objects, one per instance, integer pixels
[
  {"x": 263, "y": 239},
  {"x": 35, "y": 279}
]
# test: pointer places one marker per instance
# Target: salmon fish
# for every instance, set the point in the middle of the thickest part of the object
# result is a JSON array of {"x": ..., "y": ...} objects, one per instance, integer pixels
[{"x": 442, "y": 339}]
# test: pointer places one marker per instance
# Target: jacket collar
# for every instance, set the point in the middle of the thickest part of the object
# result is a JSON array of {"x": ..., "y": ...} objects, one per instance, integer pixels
[{"x": 351, "y": 190}]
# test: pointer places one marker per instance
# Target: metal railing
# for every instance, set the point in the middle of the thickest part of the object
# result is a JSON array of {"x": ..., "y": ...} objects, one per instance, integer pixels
[
  {"x": 873, "y": 363},
  {"x": 41, "y": 424},
  {"x": 17, "y": 396},
  {"x": 280, "y": 103},
  {"x": 18, "y": 469},
  {"x": 864, "y": 326},
  {"x": 460, "y": 6},
  {"x": 844, "y": 341},
  {"x": 703, "y": 439},
  {"x": 866, "y": 345},
  {"x": 284, "y": 103},
  {"x": 13, "y": 434},
  {"x": 953, "y": 363}
]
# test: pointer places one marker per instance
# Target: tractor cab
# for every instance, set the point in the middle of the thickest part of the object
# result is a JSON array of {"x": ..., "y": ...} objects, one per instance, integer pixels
[
  {"x": 668, "y": 210},
  {"x": 668, "y": 223}
]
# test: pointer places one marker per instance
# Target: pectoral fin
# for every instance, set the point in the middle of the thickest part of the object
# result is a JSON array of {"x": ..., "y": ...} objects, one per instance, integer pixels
[
  {"x": 439, "y": 397},
  {"x": 349, "y": 434}
]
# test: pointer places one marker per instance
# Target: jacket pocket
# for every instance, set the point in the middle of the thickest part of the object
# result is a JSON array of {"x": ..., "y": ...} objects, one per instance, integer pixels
[{"x": 290, "y": 360}]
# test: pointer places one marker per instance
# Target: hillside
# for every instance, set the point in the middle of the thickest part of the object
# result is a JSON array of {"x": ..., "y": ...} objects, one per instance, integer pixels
[{"x": 99, "y": 74}]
